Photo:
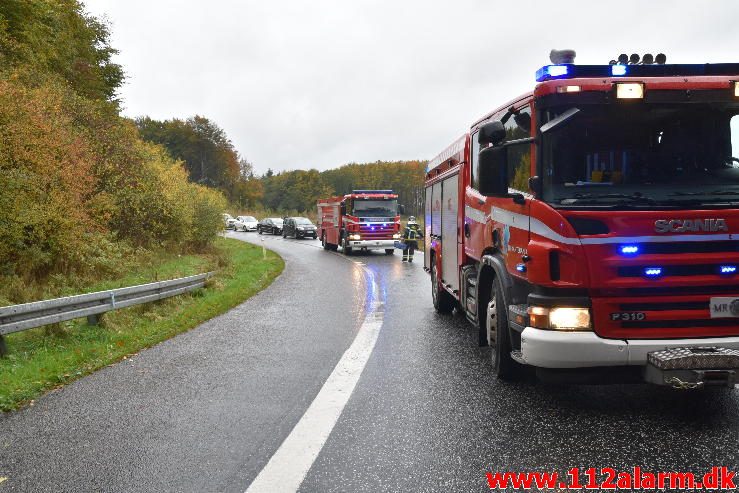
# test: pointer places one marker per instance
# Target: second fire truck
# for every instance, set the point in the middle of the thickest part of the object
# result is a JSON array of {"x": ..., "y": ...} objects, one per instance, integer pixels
[
  {"x": 589, "y": 229},
  {"x": 361, "y": 220}
]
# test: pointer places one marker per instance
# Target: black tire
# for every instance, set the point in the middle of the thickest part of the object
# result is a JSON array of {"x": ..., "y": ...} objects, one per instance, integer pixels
[
  {"x": 259, "y": 230},
  {"x": 347, "y": 248},
  {"x": 325, "y": 245},
  {"x": 389, "y": 251},
  {"x": 315, "y": 237},
  {"x": 443, "y": 301},
  {"x": 498, "y": 335}
]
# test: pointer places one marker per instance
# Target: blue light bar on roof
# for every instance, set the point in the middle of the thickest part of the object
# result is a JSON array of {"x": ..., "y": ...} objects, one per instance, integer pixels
[
  {"x": 617, "y": 70},
  {"x": 570, "y": 71},
  {"x": 552, "y": 72}
]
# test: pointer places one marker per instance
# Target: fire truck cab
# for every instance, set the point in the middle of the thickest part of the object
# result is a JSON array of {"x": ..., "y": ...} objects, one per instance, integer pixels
[
  {"x": 589, "y": 229},
  {"x": 361, "y": 220}
]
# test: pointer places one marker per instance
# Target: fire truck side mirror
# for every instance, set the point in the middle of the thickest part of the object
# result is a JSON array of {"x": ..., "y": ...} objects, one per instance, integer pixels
[
  {"x": 493, "y": 172},
  {"x": 492, "y": 133},
  {"x": 401, "y": 209}
]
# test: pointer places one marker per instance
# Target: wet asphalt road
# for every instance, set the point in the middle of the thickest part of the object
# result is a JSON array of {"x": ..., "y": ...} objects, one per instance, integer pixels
[{"x": 206, "y": 410}]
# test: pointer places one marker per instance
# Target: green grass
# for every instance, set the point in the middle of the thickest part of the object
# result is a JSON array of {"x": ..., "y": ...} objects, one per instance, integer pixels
[{"x": 41, "y": 359}]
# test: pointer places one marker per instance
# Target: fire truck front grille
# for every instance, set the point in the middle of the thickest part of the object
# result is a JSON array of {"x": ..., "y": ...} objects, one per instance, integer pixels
[
  {"x": 376, "y": 232},
  {"x": 689, "y": 247},
  {"x": 664, "y": 315}
]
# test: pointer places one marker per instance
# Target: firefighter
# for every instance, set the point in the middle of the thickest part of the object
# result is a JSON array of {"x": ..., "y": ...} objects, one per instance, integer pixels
[{"x": 411, "y": 233}]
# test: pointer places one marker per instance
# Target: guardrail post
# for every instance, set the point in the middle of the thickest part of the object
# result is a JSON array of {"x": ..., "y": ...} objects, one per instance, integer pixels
[{"x": 3, "y": 347}]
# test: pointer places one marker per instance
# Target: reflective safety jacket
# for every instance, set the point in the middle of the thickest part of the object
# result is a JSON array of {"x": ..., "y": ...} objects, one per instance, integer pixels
[{"x": 411, "y": 232}]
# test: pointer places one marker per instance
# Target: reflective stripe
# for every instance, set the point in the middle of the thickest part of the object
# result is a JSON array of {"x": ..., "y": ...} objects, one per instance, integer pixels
[
  {"x": 475, "y": 214},
  {"x": 657, "y": 239},
  {"x": 524, "y": 222}
]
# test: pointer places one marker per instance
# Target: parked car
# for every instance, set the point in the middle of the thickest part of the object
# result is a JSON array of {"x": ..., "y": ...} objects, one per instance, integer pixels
[
  {"x": 228, "y": 221},
  {"x": 247, "y": 223},
  {"x": 299, "y": 227},
  {"x": 271, "y": 225}
]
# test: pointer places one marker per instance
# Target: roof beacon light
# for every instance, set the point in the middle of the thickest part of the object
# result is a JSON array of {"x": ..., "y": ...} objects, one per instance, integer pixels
[
  {"x": 617, "y": 70},
  {"x": 728, "y": 269},
  {"x": 653, "y": 271},
  {"x": 559, "y": 57},
  {"x": 629, "y": 90}
]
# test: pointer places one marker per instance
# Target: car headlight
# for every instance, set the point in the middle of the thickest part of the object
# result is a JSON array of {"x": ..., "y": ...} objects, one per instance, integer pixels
[
  {"x": 560, "y": 318},
  {"x": 396, "y": 236},
  {"x": 354, "y": 237},
  {"x": 300, "y": 228}
]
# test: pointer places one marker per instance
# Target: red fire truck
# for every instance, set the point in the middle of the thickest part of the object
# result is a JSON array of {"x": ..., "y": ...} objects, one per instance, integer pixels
[
  {"x": 589, "y": 229},
  {"x": 361, "y": 220}
]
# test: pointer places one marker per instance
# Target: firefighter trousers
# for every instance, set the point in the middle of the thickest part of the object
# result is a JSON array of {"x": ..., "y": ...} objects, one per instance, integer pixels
[{"x": 410, "y": 249}]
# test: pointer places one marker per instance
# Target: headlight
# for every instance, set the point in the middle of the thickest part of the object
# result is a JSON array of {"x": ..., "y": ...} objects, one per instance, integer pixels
[
  {"x": 560, "y": 318},
  {"x": 354, "y": 237},
  {"x": 300, "y": 228},
  {"x": 396, "y": 236}
]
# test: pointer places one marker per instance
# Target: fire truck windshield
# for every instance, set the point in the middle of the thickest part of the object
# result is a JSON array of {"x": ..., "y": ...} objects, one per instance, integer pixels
[
  {"x": 642, "y": 155},
  {"x": 375, "y": 208}
]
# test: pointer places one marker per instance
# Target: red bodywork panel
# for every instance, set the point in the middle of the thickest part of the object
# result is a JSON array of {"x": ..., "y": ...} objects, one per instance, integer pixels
[{"x": 675, "y": 305}]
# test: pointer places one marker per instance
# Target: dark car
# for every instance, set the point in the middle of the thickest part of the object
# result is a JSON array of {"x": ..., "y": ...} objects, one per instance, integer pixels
[
  {"x": 271, "y": 225},
  {"x": 299, "y": 227}
]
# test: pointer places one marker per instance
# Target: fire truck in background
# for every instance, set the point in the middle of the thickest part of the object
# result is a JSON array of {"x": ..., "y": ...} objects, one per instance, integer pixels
[
  {"x": 589, "y": 229},
  {"x": 363, "y": 220}
]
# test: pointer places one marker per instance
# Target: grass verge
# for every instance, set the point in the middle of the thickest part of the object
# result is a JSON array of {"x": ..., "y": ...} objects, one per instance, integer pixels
[{"x": 41, "y": 359}]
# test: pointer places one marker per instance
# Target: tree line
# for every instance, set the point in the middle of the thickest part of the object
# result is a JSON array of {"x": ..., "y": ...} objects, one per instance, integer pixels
[{"x": 211, "y": 159}]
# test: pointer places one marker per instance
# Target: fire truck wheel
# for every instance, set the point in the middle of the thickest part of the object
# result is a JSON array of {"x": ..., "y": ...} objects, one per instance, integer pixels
[
  {"x": 443, "y": 301},
  {"x": 389, "y": 251},
  {"x": 323, "y": 243},
  {"x": 496, "y": 321},
  {"x": 347, "y": 248}
]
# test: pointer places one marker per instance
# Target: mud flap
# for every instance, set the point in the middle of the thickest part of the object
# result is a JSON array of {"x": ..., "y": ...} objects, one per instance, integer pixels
[{"x": 693, "y": 367}]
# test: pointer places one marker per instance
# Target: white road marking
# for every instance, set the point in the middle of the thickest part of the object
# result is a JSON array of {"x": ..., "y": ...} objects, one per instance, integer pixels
[{"x": 288, "y": 467}]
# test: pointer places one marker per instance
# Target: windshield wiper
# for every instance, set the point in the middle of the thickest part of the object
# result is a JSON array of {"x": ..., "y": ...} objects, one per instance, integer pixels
[
  {"x": 590, "y": 198},
  {"x": 715, "y": 192}
]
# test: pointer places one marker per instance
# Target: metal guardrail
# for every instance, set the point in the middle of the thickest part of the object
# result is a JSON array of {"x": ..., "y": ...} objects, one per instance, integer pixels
[{"x": 16, "y": 318}]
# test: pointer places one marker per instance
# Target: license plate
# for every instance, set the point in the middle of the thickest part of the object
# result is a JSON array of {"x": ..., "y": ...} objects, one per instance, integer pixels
[{"x": 724, "y": 307}]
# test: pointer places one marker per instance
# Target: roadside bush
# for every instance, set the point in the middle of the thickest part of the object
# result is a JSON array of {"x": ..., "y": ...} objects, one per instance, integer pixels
[
  {"x": 45, "y": 180},
  {"x": 208, "y": 205}
]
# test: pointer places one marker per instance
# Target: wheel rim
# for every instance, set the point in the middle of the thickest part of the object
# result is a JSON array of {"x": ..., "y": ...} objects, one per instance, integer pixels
[{"x": 491, "y": 319}]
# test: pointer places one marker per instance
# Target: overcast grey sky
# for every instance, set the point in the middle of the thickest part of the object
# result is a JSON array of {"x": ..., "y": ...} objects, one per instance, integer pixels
[{"x": 298, "y": 84}]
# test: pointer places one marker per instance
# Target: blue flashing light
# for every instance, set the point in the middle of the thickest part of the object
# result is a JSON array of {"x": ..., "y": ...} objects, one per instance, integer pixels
[
  {"x": 521, "y": 267},
  {"x": 552, "y": 72},
  {"x": 619, "y": 70},
  {"x": 653, "y": 271},
  {"x": 569, "y": 71},
  {"x": 629, "y": 249},
  {"x": 728, "y": 269}
]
